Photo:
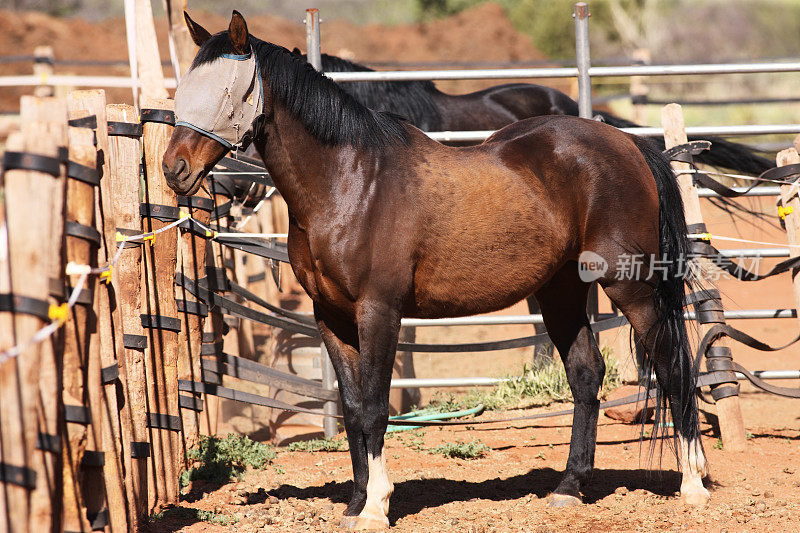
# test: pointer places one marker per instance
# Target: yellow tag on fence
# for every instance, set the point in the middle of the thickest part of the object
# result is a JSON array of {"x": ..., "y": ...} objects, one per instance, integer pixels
[
  {"x": 105, "y": 276},
  {"x": 58, "y": 313},
  {"x": 783, "y": 211}
]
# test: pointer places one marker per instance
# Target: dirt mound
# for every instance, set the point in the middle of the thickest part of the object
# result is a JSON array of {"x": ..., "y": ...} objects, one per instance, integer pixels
[{"x": 483, "y": 33}]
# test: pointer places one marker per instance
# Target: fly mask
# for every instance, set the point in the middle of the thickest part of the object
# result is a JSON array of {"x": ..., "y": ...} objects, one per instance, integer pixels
[{"x": 221, "y": 99}]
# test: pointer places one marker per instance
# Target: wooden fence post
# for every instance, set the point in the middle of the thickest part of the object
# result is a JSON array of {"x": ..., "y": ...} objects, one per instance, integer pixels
[
  {"x": 43, "y": 61},
  {"x": 151, "y": 76},
  {"x": 26, "y": 249},
  {"x": 104, "y": 371},
  {"x": 161, "y": 313},
  {"x": 791, "y": 205},
  {"x": 47, "y": 498},
  {"x": 727, "y": 394},
  {"x": 185, "y": 48},
  {"x": 125, "y": 158},
  {"x": 193, "y": 247}
]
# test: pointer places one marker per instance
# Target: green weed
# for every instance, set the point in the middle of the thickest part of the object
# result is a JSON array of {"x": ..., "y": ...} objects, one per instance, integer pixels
[
  {"x": 473, "y": 449},
  {"x": 319, "y": 445},
  {"x": 220, "y": 460}
]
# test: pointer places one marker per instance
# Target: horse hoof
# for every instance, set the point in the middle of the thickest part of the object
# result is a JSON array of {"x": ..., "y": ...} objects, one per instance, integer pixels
[
  {"x": 697, "y": 497},
  {"x": 348, "y": 522},
  {"x": 563, "y": 500},
  {"x": 364, "y": 523}
]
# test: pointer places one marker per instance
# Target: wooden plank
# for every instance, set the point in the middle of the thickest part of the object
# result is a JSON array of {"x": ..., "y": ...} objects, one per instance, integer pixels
[
  {"x": 185, "y": 48},
  {"x": 80, "y": 209},
  {"x": 728, "y": 409},
  {"x": 789, "y": 199},
  {"x": 108, "y": 431},
  {"x": 25, "y": 268},
  {"x": 162, "y": 363},
  {"x": 48, "y": 495},
  {"x": 148, "y": 59},
  {"x": 192, "y": 256},
  {"x": 124, "y": 159}
]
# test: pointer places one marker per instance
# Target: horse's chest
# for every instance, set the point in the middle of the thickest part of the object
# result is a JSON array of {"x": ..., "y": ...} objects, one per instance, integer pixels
[{"x": 315, "y": 275}]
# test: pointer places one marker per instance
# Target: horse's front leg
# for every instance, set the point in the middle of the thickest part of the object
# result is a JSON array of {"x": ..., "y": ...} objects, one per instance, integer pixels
[
  {"x": 341, "y": 340},
  {"x": 378, "y": 329}
]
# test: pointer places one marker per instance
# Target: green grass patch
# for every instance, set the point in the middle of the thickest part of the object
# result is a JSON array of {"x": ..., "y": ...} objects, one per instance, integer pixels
[
  {"x": 319, "y": 445},
  {"x": 473, "y": 449},
  {"x": 540, "y": 383},
  {"x": 220, "y": 460},
  {"x": 187, "y": 513}
]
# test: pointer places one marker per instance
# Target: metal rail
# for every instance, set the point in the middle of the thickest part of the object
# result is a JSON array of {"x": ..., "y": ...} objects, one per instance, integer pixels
[
  {"x": 420, "y": 383},
  {"x": 495, "y": 320},
  {"x": 764, "y": 129},
  {"x": 563, "y": 72}
]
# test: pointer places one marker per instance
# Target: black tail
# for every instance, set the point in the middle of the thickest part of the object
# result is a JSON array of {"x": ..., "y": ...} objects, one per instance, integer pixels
[
  {"x": 674, "y": 246},
  {"x": 726, "y": 154}
]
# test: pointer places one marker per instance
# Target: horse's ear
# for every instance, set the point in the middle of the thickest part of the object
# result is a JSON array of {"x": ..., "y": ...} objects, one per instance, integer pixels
[
  {"x": 238, "y": 33},
  {"x": 296, "y": 51},
  {"x": 199, "y": 34}
]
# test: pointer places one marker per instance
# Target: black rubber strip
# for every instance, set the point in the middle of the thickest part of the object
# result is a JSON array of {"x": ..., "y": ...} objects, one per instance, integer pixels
[
  {"x": 161, "y": 322},
  {"x": 77, "y": 414},
  {"x": 134, "y": 342},
  {"x": 63, "y": 152},
  {"x": 164, "y": 116},
  {"x": 126, "y": 129},
  {"x": 255, "y": 278},
  {"x": 738, "y": 271},
  {"x": 724, "y": 391},
  {"x": 87, "y": 233},
  {"x": 211, "y": 348},
  {"x": 84, "y": 297},
  {"x": 28, "y": 161},
  {"x": 93, "y": 459},
  {"x": 190, "y": 402},
  {"x": 191, "y": 308},
  {"x": 164, "y": 213},
  {"x": 140, "y": 450},
  {"x": 221, "y": 211},
  {"x": 196, "y": 202},
  {"x": 14, "y": 303},
  {"x": 216, "y": 279},
  {"x": 207, "y": 337},
  {"x": 684, "y": 152},
  {"x": 56, "y": 288},
  {"x": 98, "y": 520},
  {"x": 109, "y": 374},
  {"x": 163, "y": 421},
  {"x": 85, "y": 122},
  {"x": 782, "y": 173},
  {"x": 696, "y": 228},
  {"x": 83, "y": 173},
  {"x": 130, "y": 233},
  {"x": 21, "y": 476},
  {"x": 48, "y": 443}
]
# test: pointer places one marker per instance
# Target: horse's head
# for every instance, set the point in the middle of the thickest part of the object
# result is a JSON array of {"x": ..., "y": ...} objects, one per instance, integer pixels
[{"x": 216, "y": 104}]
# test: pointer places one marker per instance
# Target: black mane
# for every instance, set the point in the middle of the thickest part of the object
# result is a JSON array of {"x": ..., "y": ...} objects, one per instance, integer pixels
[
  {"x": 329, "y": 114},
  {"x": 412, "y": 100}
]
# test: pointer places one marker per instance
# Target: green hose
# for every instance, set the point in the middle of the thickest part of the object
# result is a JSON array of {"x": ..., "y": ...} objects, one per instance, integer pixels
[{"x": 419, "y": 415}]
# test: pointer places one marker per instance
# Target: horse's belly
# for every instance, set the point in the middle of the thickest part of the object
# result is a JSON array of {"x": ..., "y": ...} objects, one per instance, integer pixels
[{"x": 480, "y": 282}]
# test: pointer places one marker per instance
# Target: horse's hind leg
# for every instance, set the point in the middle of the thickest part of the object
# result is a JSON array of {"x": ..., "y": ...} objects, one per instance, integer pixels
[
  {"x": 563, "y": 302},
  {"x": 674, "y": 375}
]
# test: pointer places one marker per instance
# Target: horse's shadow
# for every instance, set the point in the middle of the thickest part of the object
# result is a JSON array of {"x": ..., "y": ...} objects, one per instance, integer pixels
[{"x": 413, "y": 495}]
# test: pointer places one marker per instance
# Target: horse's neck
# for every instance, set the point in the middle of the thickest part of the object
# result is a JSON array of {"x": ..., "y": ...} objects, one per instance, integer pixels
[{"x": 304, "y": 170}]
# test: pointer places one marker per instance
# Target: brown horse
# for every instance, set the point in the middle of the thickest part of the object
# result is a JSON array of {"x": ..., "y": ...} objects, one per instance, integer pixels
[{"x": 387, "y": 223}]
